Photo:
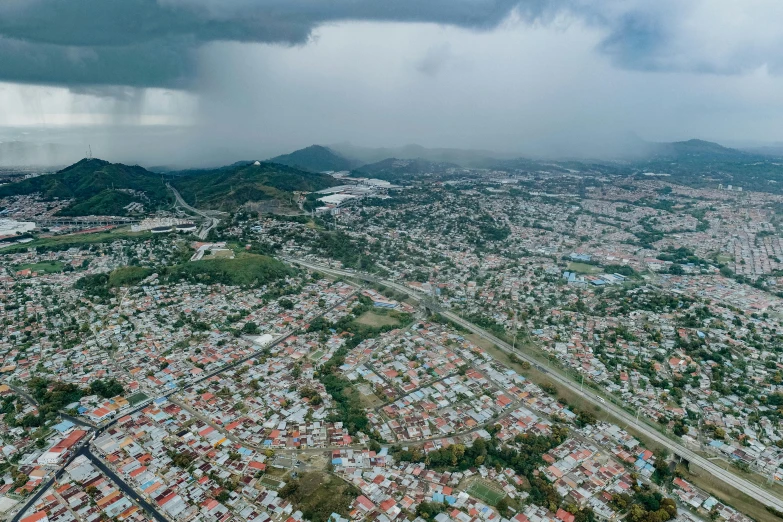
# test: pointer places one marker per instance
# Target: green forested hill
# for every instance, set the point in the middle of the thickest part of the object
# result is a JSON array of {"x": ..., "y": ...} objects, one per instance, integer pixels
[
  {"x": 231, "y": 187},
  {"x": 96, "y": 187}
]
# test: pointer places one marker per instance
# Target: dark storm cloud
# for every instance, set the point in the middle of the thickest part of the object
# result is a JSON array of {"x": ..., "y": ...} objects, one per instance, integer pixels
[
  {"x": 635, "y": 41},
  {"x": 152, "y": 43}
]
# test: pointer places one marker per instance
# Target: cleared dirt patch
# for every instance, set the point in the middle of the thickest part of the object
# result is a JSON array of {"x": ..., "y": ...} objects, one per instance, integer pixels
[{"x": 319, "y": 495}]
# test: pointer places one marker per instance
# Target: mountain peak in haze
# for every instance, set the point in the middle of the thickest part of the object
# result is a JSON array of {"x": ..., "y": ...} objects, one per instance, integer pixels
[
  {"x": 698, "y": 148},
  {"x": 315, "y": 158}
]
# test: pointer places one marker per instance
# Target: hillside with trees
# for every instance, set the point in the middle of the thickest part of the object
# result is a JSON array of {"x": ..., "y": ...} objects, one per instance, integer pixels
[
  {"x": 231, "y": 187},
  {"x": 96, "y": 187}
]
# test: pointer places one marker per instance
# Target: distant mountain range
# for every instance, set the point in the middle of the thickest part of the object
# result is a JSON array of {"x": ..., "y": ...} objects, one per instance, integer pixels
[
  {"x": 97, "y": 187},
  {"x": 462, "y": 157},
  {"x": 395, "y": 169},
  {"x": 366, "y": 161},
  {"x": 697, "y": 149}
]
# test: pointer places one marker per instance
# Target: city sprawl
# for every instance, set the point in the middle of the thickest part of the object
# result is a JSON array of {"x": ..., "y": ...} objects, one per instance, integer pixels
[{"x": 393, "y": 351}]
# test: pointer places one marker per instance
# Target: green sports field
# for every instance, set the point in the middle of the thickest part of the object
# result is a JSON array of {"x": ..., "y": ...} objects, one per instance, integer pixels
[{"x": 483, "y": 492}]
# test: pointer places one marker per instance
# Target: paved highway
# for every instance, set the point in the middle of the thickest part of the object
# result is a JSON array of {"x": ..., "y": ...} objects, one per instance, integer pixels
[
  {"x": 745, "y": 486},
  {"x": 212, "y": 221}
]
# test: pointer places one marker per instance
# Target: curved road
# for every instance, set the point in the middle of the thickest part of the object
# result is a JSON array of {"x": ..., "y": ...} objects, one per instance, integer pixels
[
  {"x": 181, "y": 202},
  {"x": 745, "y": 486}
]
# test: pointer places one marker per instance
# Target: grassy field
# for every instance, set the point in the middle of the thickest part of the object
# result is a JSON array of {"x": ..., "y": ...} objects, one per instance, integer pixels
[
  {"x": 245, "y": 269},
  {"x": 76, "y": 240},
  {"x": 137, "y": 398},
  {"x": 482, "y": 491},
  {"x": 272, "y": 483},
  {"x": 740, "y": 501},
  {"x": 583, "y": 268},
  {"x": 44, "y": 267},
  {"x": 375, "y": 319}
]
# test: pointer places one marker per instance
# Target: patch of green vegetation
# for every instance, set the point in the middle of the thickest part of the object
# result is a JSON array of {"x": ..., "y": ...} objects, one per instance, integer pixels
[
  {"x": 60, "y": 243},
  {"x": 106, "y": 203},
  {"x": 645, "y": 505},
  {"x": 137, "y": 398},
  {"x": 44, "y": 267},
  {"x": 583, "y": 268},
  {"x": 483, "y": 492},
  {"x": 106, "y": 389},
  {"x": 377, "y": 318},
  {"x": 524, "y": 457},
  {"x": 272, "y": 483},
  {"x": 246, "y": 270},
  {"x": 318, "y": 495},
  {"x": 95, "y": 286},
  {"x": 128, "y": 276},
  {"x": 623, "y": 270},
  {"x": 51, "y": 396},
  {"x": 344, "y": 248}
]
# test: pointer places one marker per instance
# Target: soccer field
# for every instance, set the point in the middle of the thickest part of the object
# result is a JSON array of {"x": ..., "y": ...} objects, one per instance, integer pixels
[{"x": 483, "y": 492}]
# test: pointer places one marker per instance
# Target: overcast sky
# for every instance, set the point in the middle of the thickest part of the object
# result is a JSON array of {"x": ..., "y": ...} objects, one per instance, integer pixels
[{"x": 214, "y": 81}]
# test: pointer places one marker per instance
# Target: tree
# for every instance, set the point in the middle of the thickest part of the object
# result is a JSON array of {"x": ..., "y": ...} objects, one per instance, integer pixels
[
  {"x": 585, "y": 418},
  {"x": 250, "y": 328},
  {"x": 106, "y": 389},
  {"x": 676, "y": 269}
]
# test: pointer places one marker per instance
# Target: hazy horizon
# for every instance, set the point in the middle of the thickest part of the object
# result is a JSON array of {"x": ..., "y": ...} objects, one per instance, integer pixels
[{"x": 206, "y": 83}]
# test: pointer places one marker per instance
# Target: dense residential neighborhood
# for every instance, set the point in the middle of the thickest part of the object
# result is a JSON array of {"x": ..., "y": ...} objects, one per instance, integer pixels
[{"x": 150, "y": 373}]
